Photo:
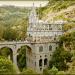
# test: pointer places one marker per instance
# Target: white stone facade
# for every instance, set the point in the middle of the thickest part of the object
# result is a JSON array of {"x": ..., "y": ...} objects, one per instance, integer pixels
[
  {"x": 42, "y": 39},
  {"x": 45, "y": 41}
]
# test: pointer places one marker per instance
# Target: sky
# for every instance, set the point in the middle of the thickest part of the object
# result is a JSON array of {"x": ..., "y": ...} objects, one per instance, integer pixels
[{"x": 24, "y": 3}]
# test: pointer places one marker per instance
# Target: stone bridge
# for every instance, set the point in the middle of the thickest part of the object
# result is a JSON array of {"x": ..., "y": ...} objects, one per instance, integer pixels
[{"x": 14, "y": 46}]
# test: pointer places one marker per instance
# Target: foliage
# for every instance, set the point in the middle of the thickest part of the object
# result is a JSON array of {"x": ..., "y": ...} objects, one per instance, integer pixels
[
  {"x": 64, "y": 57},
  {"x": 13, "y": 22},
  {"x": 60, "y": 73},
  {"x": 21, "y": 58},
  {"x": 69, "y": 40},
  {"x": 9, "y": 32},
  {"x": 6, "y": 52},
  {"x": 51, "y": 71},
  {"x": 6, "y": 66},
  {"x": 68, "y": 26},
  {"x": 60, "y": 59},
  {"x": 46, "y": 72},
  {"x": 28, "y": 71},
  {"x": 71, "y": 70},
  {"x": 56, "y": 6}
]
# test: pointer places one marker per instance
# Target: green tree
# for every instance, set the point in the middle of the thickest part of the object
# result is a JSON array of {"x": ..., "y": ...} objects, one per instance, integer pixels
[
  {"x": 71, "y": 69},
  {"x": 6, "y": 66},
  {"x": 60, "y": 59},
  {"x": 21, "y": 58},
  {"x": 51, "y": 71},
  {"x": 5, "y": 51},
  {"x": 21, "y": 27},
  {"x": 9, "y": 34}
]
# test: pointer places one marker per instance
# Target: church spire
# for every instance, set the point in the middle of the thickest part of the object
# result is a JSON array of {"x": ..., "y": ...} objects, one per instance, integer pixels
[{"x": 33, "y": 19}]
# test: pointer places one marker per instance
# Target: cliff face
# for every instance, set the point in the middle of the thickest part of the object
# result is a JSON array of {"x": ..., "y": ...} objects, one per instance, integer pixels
[{"x": 59, "y": 10}]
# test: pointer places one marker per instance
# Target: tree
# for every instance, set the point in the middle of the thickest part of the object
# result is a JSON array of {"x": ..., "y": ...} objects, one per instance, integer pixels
[
  {"x": 6, "y": 66},
  {"x": 60, "y": 59},
  {"x": 51, "y": 71},
  {"x": 71, "y": 70},
  {"x": 9, "y": 34},
  {"x": 21, "y": 58},
  {"x": 5, "y": 51},
  {"x": 21, "y": 27}
]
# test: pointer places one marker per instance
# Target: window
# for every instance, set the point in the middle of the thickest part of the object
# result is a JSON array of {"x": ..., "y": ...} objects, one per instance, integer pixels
[
  {"x": 40, "y": 48},
  {"x": 50, "y": 48},
  {"x": 56, "y": 48},
  {"x": 40, "y": 69},
  {"x": 40, "y": 56},
  {"x": 29, "y": 35},
  {"x": 54, "y": 38},
  {"x": 40, "y": 62},
  {"x": 50, "y": 28},
  {"x": 45, "y": 61},
  {"x": 45, "y": 55},
  {"x": 35, "y": 56}
]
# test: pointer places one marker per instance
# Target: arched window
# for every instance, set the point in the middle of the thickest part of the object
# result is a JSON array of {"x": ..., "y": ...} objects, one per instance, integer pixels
[
  {"x": 40, "y": 56},
  {"x": 45, "y": 55},
  {"x": 50, "y": 48},
  {"x": 40, "y": 69},
  {"x": 40, "y": 48},
  {"x": 45, "y": 61},
  {"x": 40, "y": 62}
]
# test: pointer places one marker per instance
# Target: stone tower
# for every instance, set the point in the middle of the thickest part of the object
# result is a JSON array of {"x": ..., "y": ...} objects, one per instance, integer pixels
[{"x": 44, "y": 40}]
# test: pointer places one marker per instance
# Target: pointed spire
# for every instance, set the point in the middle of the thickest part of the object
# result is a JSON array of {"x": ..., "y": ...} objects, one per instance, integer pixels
[{"x": 33, "y": 15}]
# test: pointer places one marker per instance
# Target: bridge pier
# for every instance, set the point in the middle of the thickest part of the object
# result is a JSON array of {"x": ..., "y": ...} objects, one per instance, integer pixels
[{"x": 15, "y": 58}]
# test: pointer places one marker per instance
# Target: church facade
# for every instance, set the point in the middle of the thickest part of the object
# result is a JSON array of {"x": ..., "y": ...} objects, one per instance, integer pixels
[{"x": 44, "y": 38}]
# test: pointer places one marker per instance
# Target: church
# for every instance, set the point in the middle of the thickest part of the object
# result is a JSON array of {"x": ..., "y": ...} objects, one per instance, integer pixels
[{"x": 45, "y": 38}]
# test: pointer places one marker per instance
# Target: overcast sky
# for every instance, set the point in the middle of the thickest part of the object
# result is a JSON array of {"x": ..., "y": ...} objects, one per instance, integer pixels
[{"x": 24, "y": 3}]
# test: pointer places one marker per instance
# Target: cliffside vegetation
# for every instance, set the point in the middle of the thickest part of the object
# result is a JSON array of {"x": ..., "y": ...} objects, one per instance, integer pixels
[
  {"x": 55, "y": 6},
  {"x": 63, "y": 58},
  {"x": 13, "y": 22}
]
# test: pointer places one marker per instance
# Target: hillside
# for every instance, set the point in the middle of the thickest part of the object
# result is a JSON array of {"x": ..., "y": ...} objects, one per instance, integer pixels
[
  {"x": 13, "y": 21},
  {"x": 57, "y": 8}
]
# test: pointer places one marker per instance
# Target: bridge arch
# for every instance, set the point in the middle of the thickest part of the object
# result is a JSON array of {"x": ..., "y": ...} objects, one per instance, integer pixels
[
  {"x": 12, "y": 47},
  {"x": 22, "y": 52}
]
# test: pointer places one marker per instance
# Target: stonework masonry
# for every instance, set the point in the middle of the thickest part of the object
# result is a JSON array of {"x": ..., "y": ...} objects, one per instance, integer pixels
[{"x": 42, "y": 38}]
